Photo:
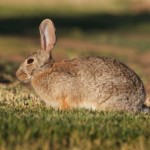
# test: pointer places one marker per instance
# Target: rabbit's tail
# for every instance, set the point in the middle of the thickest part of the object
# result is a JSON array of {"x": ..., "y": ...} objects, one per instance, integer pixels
[
  {"x": 146, "y": 109},
  {"x": 146, "y": 105}
]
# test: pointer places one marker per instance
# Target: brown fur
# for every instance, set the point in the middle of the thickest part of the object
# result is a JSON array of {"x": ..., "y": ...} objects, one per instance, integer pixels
[{"x": 97, "y": 83}]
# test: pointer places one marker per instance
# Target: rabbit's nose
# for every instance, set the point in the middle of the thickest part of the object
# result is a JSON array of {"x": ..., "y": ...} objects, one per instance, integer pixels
[{"x": 17, "y": 73}]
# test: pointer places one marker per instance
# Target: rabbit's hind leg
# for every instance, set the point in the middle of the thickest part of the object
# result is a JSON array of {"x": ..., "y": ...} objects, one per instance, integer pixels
[{"x": 63, "y": 103}]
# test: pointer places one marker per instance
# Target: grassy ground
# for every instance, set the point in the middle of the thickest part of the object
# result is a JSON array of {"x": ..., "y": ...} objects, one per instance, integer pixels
[{"x": 28, "y": 124}]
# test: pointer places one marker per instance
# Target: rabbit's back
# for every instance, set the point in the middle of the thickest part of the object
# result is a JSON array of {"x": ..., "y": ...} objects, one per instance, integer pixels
[
  {"x": 113, "y": 84},
  {"x": 93, "y": 82}
]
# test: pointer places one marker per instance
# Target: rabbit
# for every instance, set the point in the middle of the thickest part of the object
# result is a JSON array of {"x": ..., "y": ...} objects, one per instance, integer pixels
[{"x": 96, "y": 83}]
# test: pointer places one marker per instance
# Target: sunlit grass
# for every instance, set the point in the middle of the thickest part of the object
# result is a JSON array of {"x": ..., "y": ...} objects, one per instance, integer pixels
[{"x": 28, "y": 8}]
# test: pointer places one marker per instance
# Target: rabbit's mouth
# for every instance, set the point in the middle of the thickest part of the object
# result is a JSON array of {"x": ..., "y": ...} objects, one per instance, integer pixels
[{"x": 22, "y": 76}]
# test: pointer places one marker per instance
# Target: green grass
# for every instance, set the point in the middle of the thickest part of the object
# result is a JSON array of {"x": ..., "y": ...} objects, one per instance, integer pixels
[{"x": 27, "y": 124}]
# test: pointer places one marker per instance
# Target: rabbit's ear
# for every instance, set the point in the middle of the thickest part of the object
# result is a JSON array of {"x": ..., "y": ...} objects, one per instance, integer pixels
[{"x": 48, "y": 37}]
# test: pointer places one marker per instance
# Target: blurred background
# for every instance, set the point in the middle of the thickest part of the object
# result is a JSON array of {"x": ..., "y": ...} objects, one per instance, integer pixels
[{"x": 114, "y": 28}]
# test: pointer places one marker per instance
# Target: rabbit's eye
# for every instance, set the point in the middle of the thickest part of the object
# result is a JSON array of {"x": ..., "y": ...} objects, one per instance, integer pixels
[{"x": 30, "y": 60}]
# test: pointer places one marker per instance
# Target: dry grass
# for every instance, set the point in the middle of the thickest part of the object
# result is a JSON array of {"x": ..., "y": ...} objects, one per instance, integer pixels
[
  {"x": 63, "y": 7},
  {"x": 17, "y": 96},
  {"x": 94, "y": 5},
  {"x": 79, "y": 3}
]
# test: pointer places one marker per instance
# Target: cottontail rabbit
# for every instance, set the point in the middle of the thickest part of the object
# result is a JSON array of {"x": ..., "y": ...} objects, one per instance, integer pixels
[{"x": 98, "y": 83}]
